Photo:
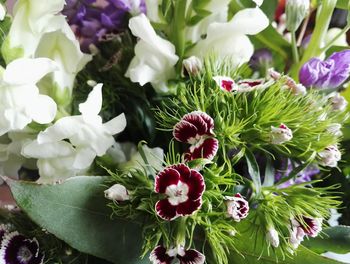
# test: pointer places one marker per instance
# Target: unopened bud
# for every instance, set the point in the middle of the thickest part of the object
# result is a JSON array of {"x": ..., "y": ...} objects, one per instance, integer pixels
[
  {"x": 117, "y": 192},
  {"x": 192, "y": 65},
  {"x": 296, "y": 11}
]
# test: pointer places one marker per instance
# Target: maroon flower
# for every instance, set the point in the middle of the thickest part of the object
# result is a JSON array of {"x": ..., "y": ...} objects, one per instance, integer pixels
[
  {"x": 183, "y": 187},
  {"x": 311, "y": 226},
  {"x": 237, "y": 207},
  {"x": 162, "y": 256},
  {"x": 193, "y": 126},
  {"x": 204, "y": 149},
  {"x": 17, "y": 249},
  {"x": 225, "y": 83}
]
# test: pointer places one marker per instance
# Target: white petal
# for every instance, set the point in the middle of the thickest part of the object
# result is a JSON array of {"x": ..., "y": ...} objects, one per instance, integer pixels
[
  {"x": 139, "y": 72},
  {"x": 116, "y": 125},
  {"x": 62, "y": 129},
  {"x": 142, "y": 28},
  {"x": 93, "y": 103},
  {"x": 258, "y": 2},
  {"x": 84, "y": 158},
  {"x": 47, "y": 150},
  {"x": 2, "y": 12},
  {"x": 42, "y": 110},
  {"x": 250, "y": 21},
  {"x": 28, "y": 71},
  {"x": 16, "y": 119}
]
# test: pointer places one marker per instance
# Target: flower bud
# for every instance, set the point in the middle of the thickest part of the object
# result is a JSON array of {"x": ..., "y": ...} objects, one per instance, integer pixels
[
  {"x": 280, "y": 135},
  {"x": 335, "y": 129},
  {"x": 338, "y": 102},
  {"x": 330, "y": 156},
  {"x": 272, "y": 237},
  {"x": 296, "y": 11},
  {"x": 192, "y": 65},
  {"x": 117, "y": 193},
  {"x": 237, "y": 207}
]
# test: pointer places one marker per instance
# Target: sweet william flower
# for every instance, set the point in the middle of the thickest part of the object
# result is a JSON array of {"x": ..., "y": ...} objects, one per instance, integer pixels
[
  {"x": 160, "y": 255},
  {"x": 329, "y": 156},
  {"x": 117, "y": 193},
  {"x": 326, "y": 74},
  {"x": 280, "y": 135},
  {"x": 183, "y": 188},
  {"x": 155, "y": 57},
  {"x": 237, "y": 207},
  {"x": 311, "y": 226},
  {"x": 272, "y": 237},
  {"x": 17, "y": 249},
  {"x": 192, "y": 65},
  {"x": 20, "y": 100},
  {"x": 338, "y": 102},
  {"x": 229, "y": 39},
  {"x": 205, "y": 148},
  {"x": 225, "y": 83}
]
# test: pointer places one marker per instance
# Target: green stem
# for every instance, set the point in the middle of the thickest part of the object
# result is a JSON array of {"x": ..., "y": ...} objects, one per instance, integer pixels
[
  {"x": 330, "y": 43},
  {"x": 178, "y": 27},
  {"x": 295, "y": 48},
  {"x": 324, "y": 14},
  {"x": 181, "y": 231}
]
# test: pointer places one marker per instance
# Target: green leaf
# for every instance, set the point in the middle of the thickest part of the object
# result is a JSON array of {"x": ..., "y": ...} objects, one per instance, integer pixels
[
  {"x": 76, "y": 212},
  {"x": 253, "y": 169},
  {"x": 343, "y": 4},
  {"x": 269, "y": 173},
  {"x": 335, "y": 239}
]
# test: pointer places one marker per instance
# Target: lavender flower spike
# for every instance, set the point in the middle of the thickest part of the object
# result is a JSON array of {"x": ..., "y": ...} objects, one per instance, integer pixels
[{"x": 326, "y": 74}]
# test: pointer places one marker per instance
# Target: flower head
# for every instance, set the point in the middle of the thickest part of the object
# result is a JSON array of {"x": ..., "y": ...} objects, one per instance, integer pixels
[
  {"x": 17, "y": 249},
  {"x": 117, "y": 192},
  {"x": 329, "y": 156},
  {"x": 183, "y": 187},
  {"x": 237, "y": 207},
  {"x": 338, "y": 102},
  {"x": 205, "y": 148},
  {"x": 160, "y": 255},
  {"x": 281, "y": 134},
  {"x": 311, "y": 226},
  {"x": 329, "y": 73},
  {"x": 225, "y": 83}
]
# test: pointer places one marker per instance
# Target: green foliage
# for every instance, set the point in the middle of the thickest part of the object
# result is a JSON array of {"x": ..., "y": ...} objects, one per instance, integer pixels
[{"x": 75, "y": 212}]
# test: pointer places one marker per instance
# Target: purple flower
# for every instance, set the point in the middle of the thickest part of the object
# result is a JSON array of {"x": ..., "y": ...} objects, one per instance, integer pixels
[
  {"x": 93, "y": 20},
  {"x": 17, "y": 249},
  {"x": 329, "y": 73}
]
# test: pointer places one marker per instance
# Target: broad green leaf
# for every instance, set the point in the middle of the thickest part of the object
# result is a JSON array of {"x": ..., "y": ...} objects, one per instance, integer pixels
[
  {"x": 253, "y": 169},
  {"x": 343, "y": 4},
  {"x": 269, "y": 173},
  {"x": 76, "y": 212},
  {"x": 335, "y": 239}
]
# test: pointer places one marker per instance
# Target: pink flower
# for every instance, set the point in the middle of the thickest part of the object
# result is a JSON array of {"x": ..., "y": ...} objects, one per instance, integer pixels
[
  {"x": 281, "y": 134},
  {"x": 196, "y": 128},
  {"x": 193, "y": 126},
  {"x": 225, "y": 83},
  {"x": 237, "y": 207},
  {"x": 304, "y": 226},
  {"x": 160, "y": 255},
  {"x": 183, "y": 187}
]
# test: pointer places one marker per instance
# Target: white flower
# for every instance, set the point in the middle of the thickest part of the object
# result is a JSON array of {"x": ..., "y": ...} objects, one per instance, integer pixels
[
  {"x": 128, "y": 157},
  {"x": 20, "y": 101},
  {"x": 329, "y": 156},
  {"x": 338, "y": 102},
  {"x": 2, "y": 12},
  {"x": 192, "y": 65},
  {"x": 155, "y": 57},
  {"x": 118, "y": 193},
  {"x": 62, "y": 47},
  {"x": 272, "y": 237},
  {"x": 88, "y": 137},
  {"x": 229, "y": 40},
  {"x": 335, "y": 129},
  {"x": 31, "y": 18},
  {"x": 280, "y": 135}
]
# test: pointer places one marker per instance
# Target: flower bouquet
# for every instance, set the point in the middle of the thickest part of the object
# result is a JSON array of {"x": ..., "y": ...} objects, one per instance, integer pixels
[{"x": 163, "y": 131}]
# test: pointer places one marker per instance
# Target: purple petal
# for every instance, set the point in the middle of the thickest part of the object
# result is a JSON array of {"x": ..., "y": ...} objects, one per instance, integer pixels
[
  {"x": 160, "y": 256},
  {"x": 341, "y": 70}
]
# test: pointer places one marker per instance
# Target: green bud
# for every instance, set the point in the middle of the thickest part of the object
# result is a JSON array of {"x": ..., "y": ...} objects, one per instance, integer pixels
[{"x": 296, "y": 11}]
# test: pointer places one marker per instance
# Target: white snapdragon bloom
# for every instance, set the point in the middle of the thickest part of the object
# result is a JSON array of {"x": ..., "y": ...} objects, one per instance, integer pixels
[
  {"x": 229, "y": 40},
  {"x": 155, "y": 57},
  {"x": 62, "y": 47},
  {"x": 20, "y": 100},
  {"x": 88, "y": 137},
  {"x": 31, "y": 18}
]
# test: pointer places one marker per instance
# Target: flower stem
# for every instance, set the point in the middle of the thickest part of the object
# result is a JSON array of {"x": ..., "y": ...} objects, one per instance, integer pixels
[
  {"x": 330, "y": 43},
  {"x": 295, "y": 48},
  {"x": 181, "y": 231},
  {"x": 178, "y": 27}
]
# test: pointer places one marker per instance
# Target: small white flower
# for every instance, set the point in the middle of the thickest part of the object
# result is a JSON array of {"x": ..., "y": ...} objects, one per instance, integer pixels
[
  {"x": 329, "y": 156},
  {"x": 335, "y": 129},
  {"x": 155, "y": 57},
  {"x": 280, "y": 135},
  {"x": 117, "y": 193},
  {"x": 338, "y": 102},
  {"x": 229, "y": 40},
  {"x": 272, "y": 237},
  {"x": 20, "y": 101},
  {"x": 193, "y": 65}
]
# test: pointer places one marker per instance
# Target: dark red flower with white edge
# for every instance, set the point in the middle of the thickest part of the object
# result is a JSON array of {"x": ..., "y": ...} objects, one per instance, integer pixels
[
  {"x": 183, "y": 187},
  {"x": 162, "y": 256},
  {"x": 193, "y": 126},
  {"x": 205, "y": 149},
  {"x": 17, "y": 249},
  {"x": 225, "y": 83},
  {"x": 237, "y": 207},
  {"x": 311, "y": 226}
]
